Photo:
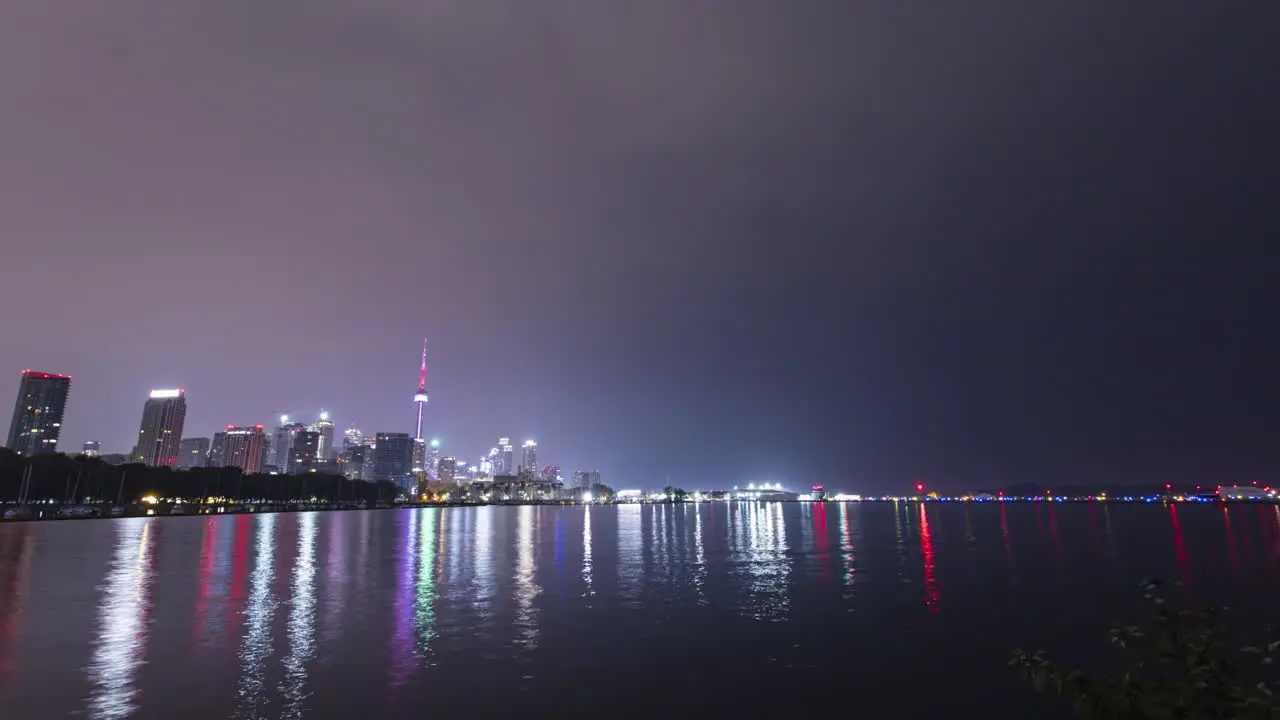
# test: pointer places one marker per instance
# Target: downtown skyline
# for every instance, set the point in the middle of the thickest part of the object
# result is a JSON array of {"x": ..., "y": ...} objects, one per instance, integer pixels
[
  {"x": 864, "y": 243},
  {"x": 465, "y": 455}
]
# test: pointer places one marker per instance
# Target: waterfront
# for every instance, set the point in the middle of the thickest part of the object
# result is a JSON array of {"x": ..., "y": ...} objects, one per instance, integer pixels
[{"x": 813, "y": 609}]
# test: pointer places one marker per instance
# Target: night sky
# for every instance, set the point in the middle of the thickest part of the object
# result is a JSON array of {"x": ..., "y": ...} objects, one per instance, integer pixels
[{"x": 871, "y": 243}]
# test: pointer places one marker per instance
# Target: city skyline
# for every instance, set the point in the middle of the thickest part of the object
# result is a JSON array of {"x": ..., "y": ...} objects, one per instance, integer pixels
[
  {"x": 867, "y": 243},
  {"x": 272, "y": 444}
]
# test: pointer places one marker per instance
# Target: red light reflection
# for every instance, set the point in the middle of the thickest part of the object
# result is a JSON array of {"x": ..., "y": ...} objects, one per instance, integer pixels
[
  {"x": 821, "y": 542},
  {"x": 931, "y": 591}
]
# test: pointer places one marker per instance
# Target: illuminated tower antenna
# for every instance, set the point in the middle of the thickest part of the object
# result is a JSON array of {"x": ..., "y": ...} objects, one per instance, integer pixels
[{"x": 421, "y": 397}]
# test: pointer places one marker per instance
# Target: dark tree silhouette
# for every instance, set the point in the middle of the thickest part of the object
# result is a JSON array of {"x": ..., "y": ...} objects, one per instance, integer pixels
[{"x": 64, "y": 478}]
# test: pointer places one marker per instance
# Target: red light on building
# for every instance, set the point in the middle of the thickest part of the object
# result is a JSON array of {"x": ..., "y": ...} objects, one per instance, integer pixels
[
  {"x": 919, "y": 487},
  {"x": 44, "y": 375},
  {"x": 817, "y": 487}
]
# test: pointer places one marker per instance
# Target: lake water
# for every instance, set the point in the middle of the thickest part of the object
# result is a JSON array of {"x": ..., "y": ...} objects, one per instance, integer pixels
[{"x": 752, "y": 609}]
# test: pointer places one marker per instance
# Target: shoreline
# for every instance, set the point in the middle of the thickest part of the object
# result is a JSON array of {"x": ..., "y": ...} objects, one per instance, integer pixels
[{"x": 108, "y": 511}]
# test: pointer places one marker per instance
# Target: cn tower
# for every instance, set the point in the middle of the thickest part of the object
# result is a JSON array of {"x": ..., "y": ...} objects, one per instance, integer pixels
[{"x": 421, "y": 396}]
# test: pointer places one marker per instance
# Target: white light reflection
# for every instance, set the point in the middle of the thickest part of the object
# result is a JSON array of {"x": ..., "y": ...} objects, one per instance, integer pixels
[
  {"x": 424, "y": 610},
  {"x": 767, "y": 595},
  {"x": 699, "y": 556},
  {"x": 630, "y": 554},
  {"x": 526, "y": 590},
  {"x": 482, "y": 572},
  {"x": 122, "y": 622},
  {"x": 302, "y": 619},
  {"x": 586, "y": 552},
  {"x": 846, "y": 544},
  {"x": 256, "y": 646}
]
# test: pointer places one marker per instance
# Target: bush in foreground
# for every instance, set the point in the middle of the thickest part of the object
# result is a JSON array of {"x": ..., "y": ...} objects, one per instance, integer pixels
[{"x": 1179, "y": 663}]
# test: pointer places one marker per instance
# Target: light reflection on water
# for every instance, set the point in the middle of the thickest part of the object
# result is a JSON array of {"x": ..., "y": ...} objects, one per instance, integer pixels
[
  {"x": 123, "y": 614},
  {"x": 586, "y": 553},
  {"x": 526, "y": 589},
  {"x": 424, "y": 610},
  {"x": 302, "y": 617},
  {"x": 847, "y": 531},
  {"x": 699, "y": 556},
  {"x": 764, "y": 566},
  {"x": 630, "y": 555},
  {"x": 403, "y": 639},
  {"x": 256, "y": 647},
  {"x": 289, "y": 620},
  {"x": 15, "y": 567}
]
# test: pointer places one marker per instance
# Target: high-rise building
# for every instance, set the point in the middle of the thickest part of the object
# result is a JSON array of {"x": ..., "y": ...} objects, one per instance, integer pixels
[
  {"x": 215, "y": 456},
  {"x": 161, "y": 429},
  {"x": 282, "y": 444},
  {"x": 352, "y": 437},
  {"x": 393, "y": 458},
  {"x": 355, "y": 461},
  {"x": 324, "y": 427},
  {"x": 529, "y": 458},
  {"x": 586, "y": 479},
  {"x": 506, "y": 458},
  {"x": 239, "y": 447},
  {"x": 447, "y": 470},
  {"x": 193, "y": 453},
  {"x": 433, "y": 458},
  {"x": 491, "y": 464},
  {"x": 91, "y": 448},
  {"x": 550, "y": 473},
  {"x": 305, "y": 452},
  {"x": 37, "y": 413}
]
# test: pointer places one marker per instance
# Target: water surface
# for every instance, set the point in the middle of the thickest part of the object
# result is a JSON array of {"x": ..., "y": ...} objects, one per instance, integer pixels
[{"x": 751, "y": 609}]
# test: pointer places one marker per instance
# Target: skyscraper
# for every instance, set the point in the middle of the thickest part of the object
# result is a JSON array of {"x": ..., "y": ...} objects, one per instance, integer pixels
[
  {"x": 433, "y": 457},
  {"x": 506, "y": 458},
  {"x": 352, "y": 437},
  {"x": 586, "y": 479},
  {"x": 282, "y": 444},
  {"x": 529, "y": 458},
  {"x": 324, "y": 427},
  {"x": 304, "y": 452},
  {"x": 239, "y": 447},
  {"x": 91, "y": 448},
  {"x": 356, "y": 462},
  {"x": 161, "y": 429},
  {"x": 447, "y": 471},
  {"x": 37, "y": 413},
  {"x": 193, "y": 453},
  {"x": 393, "y": 458},
  {"x": 491, "y": 464}
]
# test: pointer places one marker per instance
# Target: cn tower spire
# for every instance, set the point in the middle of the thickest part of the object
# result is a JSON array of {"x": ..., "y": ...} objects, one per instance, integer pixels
[
  {"x": 421, "y": 397},
  {"x": 422, "y": 376}
]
